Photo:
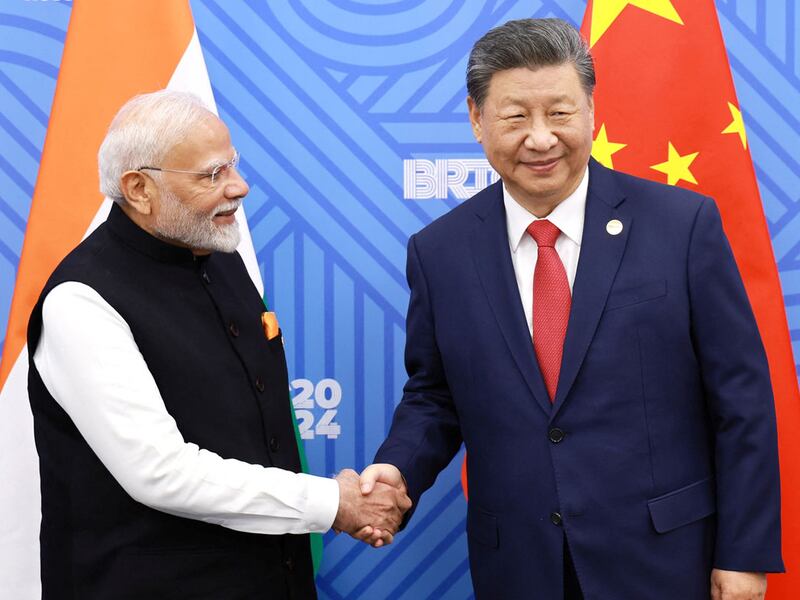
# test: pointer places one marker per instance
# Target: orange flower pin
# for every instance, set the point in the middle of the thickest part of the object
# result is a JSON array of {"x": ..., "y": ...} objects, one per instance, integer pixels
[{"x": 270, "y": 323}]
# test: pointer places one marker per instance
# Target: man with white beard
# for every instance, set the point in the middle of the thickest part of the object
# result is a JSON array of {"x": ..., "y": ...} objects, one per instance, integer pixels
[{"x": 158, "y": 385}]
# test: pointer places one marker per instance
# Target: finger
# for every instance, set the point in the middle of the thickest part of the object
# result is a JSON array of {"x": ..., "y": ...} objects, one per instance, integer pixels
[
  {"x": 365, "y": 534},
  {"x": 377, "y": 534},
  {"x": 369, "y": 477},
  {"x": 386, "y": 539},
  {"x": 405, "y": 503},
  {"x": 384, "y": 472}
]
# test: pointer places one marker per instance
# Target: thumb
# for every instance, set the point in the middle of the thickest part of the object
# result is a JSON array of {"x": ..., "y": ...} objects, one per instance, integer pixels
[{"x": 368, "y": 478}]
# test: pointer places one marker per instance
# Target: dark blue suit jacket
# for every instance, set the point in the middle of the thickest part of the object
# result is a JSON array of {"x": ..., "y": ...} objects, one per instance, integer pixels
[{"x": 659, "y": 453}]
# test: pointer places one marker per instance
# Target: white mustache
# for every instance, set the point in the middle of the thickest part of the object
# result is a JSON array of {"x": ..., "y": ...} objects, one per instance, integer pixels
[{"x": 232, "y": 205}]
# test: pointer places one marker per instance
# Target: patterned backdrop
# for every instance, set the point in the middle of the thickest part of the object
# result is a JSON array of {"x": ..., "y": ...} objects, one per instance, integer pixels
[{"x": 351, "y": 122}]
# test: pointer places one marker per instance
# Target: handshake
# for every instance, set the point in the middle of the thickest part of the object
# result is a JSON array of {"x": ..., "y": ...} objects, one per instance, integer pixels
[{"x": 371, "y": 507}]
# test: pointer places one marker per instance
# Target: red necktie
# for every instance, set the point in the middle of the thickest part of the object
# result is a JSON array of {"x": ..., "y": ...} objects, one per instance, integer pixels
[{"x": 551, "y": 303}]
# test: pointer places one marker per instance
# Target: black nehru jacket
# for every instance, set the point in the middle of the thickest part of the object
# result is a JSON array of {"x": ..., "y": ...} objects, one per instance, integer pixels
[{"x": 197, "y": 323}]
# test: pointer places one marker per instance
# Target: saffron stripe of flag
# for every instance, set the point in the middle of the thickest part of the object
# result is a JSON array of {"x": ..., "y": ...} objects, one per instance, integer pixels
[{"x": 113, "y": 51}]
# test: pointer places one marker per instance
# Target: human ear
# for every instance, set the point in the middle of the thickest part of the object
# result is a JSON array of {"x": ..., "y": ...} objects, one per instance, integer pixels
[
  {"x": 474, "y": 118},
  {"x": 138, "y": 190}
]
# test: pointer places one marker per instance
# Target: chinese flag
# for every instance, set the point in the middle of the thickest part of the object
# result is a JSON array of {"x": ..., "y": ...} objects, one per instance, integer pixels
[{"x": 666, "y": 109}]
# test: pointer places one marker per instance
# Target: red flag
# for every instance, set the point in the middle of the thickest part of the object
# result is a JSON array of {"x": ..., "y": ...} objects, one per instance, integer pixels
[{"x": 666, "y": 109}]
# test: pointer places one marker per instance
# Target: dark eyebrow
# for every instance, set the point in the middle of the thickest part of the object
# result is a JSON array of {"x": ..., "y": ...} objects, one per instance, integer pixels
[{"x": 521, "y": 100}]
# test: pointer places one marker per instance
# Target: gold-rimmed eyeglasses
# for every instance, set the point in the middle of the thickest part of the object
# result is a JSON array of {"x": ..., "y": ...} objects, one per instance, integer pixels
[{"x": 216, "y": 174}]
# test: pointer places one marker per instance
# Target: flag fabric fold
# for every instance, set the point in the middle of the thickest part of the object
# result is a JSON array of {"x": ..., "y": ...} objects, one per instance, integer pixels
[
  {"x": 666, "y": 109},
  {"x": 113, "y": 51}
]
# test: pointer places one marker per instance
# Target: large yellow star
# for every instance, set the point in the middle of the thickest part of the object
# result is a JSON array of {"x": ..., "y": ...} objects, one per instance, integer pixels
[
  {"x": 605, "y": 12},
  {"x": 677, "y": 166},
  {"x": 602, "y": 149},
  {"x": 737, "y": 124}
]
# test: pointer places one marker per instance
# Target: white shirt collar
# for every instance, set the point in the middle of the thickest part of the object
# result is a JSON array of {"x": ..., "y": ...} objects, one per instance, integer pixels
[{"x": 568, "y": 215}]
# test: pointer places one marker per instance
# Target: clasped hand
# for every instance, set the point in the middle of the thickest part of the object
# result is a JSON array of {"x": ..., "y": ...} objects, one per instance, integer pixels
[{"x": 371, "y": 507}]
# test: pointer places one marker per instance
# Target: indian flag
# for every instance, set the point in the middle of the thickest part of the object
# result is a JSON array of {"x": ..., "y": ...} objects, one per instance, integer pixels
[{"x": 113, "y": 51}]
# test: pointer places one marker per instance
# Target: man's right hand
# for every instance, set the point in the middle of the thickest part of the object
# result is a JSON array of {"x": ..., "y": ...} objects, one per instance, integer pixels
[
  {"x": 372, "y": 476},
  {"x": 379, "y": 510}
]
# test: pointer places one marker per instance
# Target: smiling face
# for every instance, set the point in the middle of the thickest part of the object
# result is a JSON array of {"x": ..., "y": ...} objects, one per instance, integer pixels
[
  {"x": 190, "y": 210},
  {"x": 536, "y": 130}
]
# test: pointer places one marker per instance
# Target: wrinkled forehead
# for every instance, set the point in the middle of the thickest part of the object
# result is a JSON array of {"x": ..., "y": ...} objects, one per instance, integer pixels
[
  {"x": 206, "y": 145},
  {"x": 559, "y": 81}
]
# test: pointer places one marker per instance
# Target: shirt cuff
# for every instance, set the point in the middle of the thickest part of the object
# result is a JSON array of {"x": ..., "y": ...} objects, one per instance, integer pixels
[{"x": 322, "y": 502}]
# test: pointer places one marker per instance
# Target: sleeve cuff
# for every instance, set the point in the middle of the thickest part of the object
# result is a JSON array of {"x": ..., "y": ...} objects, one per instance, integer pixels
[{"x": 322, "y": 502}]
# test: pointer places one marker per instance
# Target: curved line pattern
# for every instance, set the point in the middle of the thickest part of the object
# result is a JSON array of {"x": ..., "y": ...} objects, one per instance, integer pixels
[
  {"x": 32, "y": 25},
  {"x": 319, "y": 110},
  {"x": 27, "y": 80},
  {"x": 299, "y": 177},
  {"x": 416, "y": 34},
  {"x": 268, "y": 77},
  {"x": 27, "y": 146},
  {"x": 369, "y": 60},
  {"x": 30, "y": 62},
  {"x": 377, "y": 8},
  {"x": 23, "y": 99},
  {"x": 24, "y": 185},
  {"x": 7, "y": 253}
]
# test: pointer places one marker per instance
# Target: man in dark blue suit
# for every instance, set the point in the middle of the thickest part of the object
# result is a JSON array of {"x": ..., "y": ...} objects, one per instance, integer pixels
[{"x": 587, "y": 336}]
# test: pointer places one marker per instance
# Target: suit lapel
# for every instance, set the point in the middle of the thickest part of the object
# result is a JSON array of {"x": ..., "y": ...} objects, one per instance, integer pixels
[
  {"x": 599, "y": 261},
  {"x": 491, "y": 254}
]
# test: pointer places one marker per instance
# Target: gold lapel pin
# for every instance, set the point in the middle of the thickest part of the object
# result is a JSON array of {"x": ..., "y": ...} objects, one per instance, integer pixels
[{"x": 614, "y": 227}]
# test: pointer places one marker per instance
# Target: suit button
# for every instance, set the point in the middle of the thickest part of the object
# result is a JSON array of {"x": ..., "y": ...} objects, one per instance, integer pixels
[
  {"x": 556, "y": 435},
  {"x": 555, "y": 518},
  {"x": 206, "y": 278},
  {"x": 274, "y": 444},
  {"x": 234, "y": 329},
  {"x": 259, "y": 384},
  {"x": 289, "y": 563}
]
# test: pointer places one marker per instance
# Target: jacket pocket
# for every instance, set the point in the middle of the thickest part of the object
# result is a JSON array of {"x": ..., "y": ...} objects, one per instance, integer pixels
[
  {"x": 683, "y": 506},
  {"x": 637, "y": 295},
  {"x": 276, "y": 343},
  {"x": 482, "y": 527}
]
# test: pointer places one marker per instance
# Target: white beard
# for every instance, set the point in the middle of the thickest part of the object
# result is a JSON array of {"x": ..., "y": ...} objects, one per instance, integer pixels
[{"x": 179, "y": 223}]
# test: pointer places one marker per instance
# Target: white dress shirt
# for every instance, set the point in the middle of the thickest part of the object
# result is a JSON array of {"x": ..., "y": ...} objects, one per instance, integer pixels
[
  {"x": 568, "y": 217},
  {"x": 91, "y": 365}
]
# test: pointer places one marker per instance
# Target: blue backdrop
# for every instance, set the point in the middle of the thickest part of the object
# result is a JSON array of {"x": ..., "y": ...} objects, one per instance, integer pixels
[{"x": 326, "y": 99}]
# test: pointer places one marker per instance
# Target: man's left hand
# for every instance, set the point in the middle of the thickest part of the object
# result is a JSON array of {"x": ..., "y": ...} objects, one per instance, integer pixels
[{"x": 737, "y": 585}]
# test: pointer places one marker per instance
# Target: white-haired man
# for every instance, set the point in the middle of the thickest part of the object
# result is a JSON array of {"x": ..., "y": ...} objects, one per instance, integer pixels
[{"x": 159, "y": 390}]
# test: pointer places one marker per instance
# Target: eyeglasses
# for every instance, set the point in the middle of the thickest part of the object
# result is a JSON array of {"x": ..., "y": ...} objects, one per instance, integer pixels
[{"x": 219, "y": 172}]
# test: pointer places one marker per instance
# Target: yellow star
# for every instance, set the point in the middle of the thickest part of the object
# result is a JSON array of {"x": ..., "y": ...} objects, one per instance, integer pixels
[
  {"x": 737, "y": 125},
  {"x": 677, "y": 166},
  {"x": 605, "y": 12},
  {"x": 602, "y": 149}
]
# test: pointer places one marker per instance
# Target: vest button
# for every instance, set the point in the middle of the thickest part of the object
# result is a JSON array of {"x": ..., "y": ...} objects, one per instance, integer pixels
[
  {"x": 289, "y": 563},
  {"x": 259, "y": 384},
  {"x": 274, "y": 445},
  {"x": 555, "y": 518},
  {"x": 233, "y": 329},
  {"x": 206, "y": 278},
  {"x": 556, "y": 435}
]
